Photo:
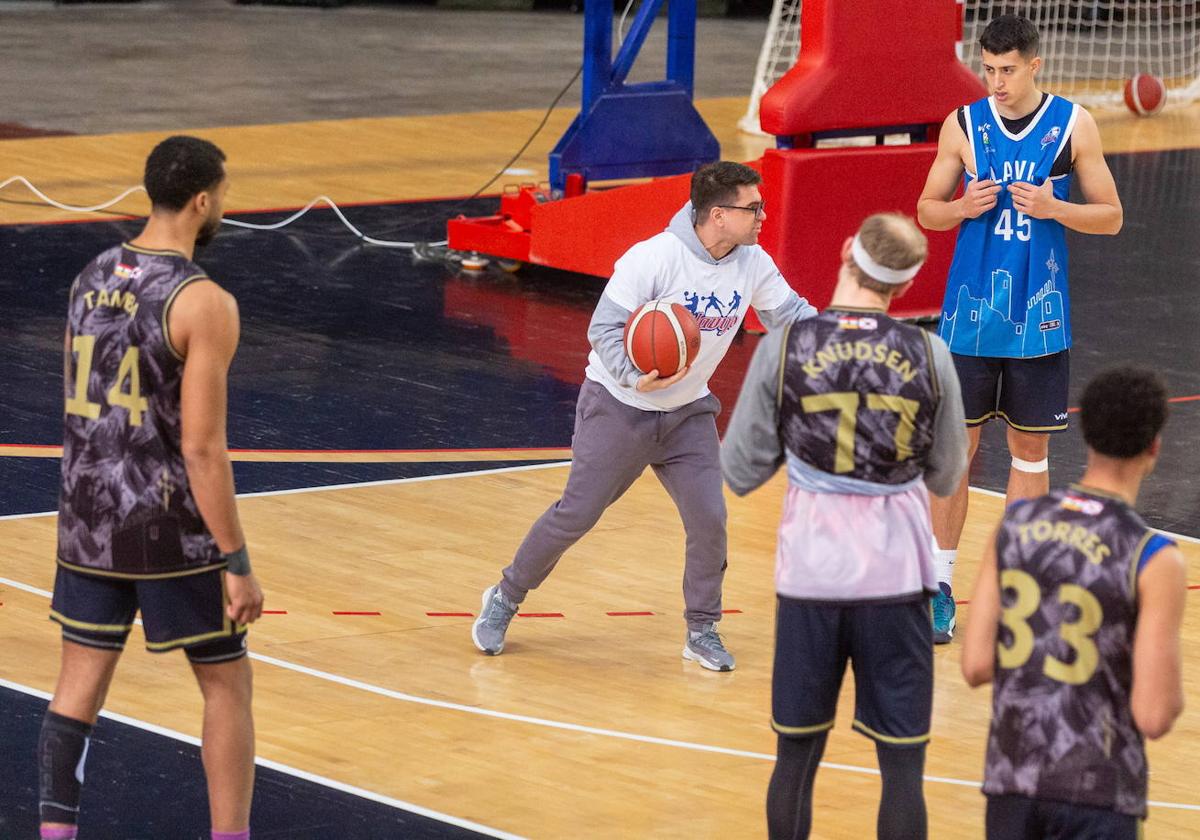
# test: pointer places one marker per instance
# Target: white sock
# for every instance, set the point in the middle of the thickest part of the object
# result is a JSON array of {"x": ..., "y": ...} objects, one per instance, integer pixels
[{"x": 944, "y": 559}]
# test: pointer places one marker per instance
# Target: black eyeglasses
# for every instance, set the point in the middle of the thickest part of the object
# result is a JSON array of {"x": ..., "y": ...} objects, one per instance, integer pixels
[{"x": 758, "y": 208}]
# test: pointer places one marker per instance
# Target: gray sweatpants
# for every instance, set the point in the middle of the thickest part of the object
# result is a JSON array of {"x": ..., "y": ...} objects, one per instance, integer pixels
[{"x": 612, "y": 445}]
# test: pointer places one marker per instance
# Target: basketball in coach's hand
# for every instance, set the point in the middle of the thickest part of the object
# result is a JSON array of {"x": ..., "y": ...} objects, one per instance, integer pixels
[
  {"x": 662, "y": 336},
  {"x": 1145, "y": 94}
]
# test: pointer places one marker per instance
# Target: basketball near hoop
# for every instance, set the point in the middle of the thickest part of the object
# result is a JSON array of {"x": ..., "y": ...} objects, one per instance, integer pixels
[
  {"x": 1145, "y": 94},
  {"x": 661, "y": 336}
]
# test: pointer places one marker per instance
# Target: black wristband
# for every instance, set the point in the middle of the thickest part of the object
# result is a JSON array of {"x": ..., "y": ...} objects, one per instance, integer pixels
[{"x": 237, "y": 562}]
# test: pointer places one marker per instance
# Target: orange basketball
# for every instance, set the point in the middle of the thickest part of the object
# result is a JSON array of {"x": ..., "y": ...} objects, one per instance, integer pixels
[
  {"x": 662, "y": 336},
  {"x": 1145, "y": 94}
]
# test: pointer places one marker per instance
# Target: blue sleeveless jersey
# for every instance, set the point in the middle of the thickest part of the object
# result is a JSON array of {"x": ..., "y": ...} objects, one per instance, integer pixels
[{"x": 1006, "y": 294}]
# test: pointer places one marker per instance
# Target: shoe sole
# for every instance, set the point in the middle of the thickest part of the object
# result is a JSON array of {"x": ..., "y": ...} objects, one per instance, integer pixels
[
  {"x": 475, "y": 627},
  {"x": 687, "y": 654},
  {"x": 944, "y": 638}
]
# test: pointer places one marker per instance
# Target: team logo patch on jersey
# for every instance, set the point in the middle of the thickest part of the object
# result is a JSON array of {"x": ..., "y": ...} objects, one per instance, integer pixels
[
  {"x": 1051, "y": 136},
  {"x": 716, "y": 315},
  {"x": 856, "y": 323},
  {"x": 1090, "y": 507},
  {"x": 127, "y": 272}
]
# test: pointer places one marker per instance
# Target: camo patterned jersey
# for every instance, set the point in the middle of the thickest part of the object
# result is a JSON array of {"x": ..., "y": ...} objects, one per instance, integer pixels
[
  {"x": 126, "y": 509},
  {"x": 860, "y": 397},
  {"x": 1062, "y": 728}
]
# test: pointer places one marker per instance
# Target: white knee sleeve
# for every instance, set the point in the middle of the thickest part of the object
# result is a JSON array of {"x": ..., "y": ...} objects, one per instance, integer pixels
[{"x": 1031, "y": 466}]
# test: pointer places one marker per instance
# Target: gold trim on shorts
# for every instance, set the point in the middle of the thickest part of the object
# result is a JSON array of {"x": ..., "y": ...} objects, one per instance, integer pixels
[{"x": 888, "y": 739}]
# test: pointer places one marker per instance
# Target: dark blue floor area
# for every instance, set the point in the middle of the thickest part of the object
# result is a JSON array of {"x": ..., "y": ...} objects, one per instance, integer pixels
[
  {"x": 351, "y": 347},
  {"x": 140, "y": 785},
  {"x": 343, "y": 346}
]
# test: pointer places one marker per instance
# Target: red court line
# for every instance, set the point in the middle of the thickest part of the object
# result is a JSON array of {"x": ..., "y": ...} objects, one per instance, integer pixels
[
  {"x": 731, "y": 612},
  {"x": 116, "y": 216},
  {"x": 374, "y": 202},
  {"x": 449, "y": 615},
  {"x": 623, "y": 614},
  {"x": 540, "y": 615},
  {"x": 274, "y": 612},
  {"x": 355, "y": 612},
  {"x": 518, "y": 449}
]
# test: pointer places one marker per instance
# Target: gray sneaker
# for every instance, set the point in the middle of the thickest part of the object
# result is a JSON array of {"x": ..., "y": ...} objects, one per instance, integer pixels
[
  {"x": 705, "y": 646},
  {"x": 494, "y": 615}
]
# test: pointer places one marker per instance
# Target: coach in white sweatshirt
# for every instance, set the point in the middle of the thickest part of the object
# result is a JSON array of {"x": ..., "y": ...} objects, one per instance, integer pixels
[{"x": 709, "y": 261}]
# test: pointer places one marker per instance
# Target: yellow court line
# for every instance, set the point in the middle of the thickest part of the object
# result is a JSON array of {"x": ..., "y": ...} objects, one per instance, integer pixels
[{"x": 366, "y": 456}]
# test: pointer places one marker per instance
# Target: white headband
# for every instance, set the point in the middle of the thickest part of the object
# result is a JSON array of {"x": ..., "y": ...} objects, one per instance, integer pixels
[{"x": 893, "y": 276}]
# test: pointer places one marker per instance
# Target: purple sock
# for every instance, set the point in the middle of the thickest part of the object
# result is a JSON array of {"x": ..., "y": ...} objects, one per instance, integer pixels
[
  {"x": 231, "y": 835},
  {"x": 67, "y": 833}
]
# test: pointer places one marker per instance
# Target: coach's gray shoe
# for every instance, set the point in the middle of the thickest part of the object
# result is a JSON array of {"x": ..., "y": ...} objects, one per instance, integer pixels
[
  {"x": 494, "y": 616},
  {"x": 705, "y": 646}
]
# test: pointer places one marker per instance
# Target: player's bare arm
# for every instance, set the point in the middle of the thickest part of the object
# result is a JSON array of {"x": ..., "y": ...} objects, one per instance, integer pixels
[
  {"x": 204, "y": 329},
  {"x": 937, "y": 209},
  {"x": 1157, "y": 696},
  {"x": 979, "y": 642},
  {"x": 1101, "y": 211}
]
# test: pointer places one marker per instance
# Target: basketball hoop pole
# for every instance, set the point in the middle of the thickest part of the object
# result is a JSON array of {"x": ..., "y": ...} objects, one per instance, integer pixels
[
  {"x": 648, "y": 129},
  {"x": 644, "y": 130}
]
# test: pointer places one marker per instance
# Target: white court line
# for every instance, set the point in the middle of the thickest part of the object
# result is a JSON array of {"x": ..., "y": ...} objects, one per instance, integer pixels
[
  {"x": 28, "y": 515},
  {"x": 290, "y": 771},
  {"x": 570, "y": 727},
  {"x": 380, "y": 483},
  {"x": 411, "y": 480}
]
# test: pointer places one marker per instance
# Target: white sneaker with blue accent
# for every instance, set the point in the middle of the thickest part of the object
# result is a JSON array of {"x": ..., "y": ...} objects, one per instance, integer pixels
[
  {"x": 494, "y": 616},
  {"x": 705, "y": 646}
]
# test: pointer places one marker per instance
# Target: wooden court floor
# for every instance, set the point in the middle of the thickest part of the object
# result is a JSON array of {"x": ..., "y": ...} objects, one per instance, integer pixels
[{"x": 589, "y": 725}]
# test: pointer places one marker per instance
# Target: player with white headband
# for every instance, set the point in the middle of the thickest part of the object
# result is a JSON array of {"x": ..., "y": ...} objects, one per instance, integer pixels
[{"x": 865, "y": 412}]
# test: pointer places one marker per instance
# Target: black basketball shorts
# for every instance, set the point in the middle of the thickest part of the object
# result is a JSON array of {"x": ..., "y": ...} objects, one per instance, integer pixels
[
  {"x": 889, "y": 645},
  {"x": 1030, "y": 395},
  {"x": 177, "y": 612}
]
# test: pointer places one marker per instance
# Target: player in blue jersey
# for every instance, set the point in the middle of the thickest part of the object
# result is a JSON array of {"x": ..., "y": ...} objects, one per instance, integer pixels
[
  {"x": 1076, "y": 617},
  {"x": 1006, "y": 314},
  {"x": 147, "y": 518}
]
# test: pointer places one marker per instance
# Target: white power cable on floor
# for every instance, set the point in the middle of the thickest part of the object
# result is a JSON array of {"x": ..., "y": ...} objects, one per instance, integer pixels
[
  {"x": 370, "y": 240},
  {"x": 17, "y": 179}
]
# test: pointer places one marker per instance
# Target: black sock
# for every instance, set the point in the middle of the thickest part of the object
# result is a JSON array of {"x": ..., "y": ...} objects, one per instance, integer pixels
[
  {"x": 62, "y": 749},
  {"x": 789, "y": 796},
  {"x": 902, "y": 805}
]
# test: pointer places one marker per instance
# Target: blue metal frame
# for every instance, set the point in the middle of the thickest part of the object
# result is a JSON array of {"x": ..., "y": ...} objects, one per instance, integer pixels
[{"x": 634, "y": 130}]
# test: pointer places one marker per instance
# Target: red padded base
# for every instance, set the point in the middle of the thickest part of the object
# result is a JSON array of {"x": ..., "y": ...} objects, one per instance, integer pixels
[{"x": 818, "y": 197}]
